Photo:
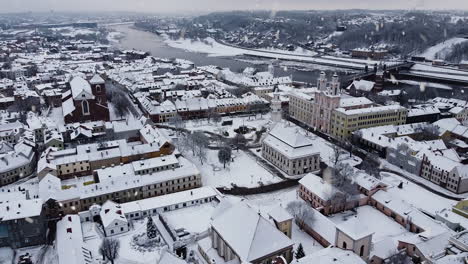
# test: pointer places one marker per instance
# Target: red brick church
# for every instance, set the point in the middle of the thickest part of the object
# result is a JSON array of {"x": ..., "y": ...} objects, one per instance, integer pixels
[{"x": 85, "y": 101}]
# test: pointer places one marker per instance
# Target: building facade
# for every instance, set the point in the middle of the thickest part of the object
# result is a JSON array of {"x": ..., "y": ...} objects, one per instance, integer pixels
[
  {"x": 290, "y": 150},
  {"x": 300, "y": 107},
  {"x": 326, "y": 100},
  {"x": 345, "y": 122},
  {"x": 86, "y": 101}
]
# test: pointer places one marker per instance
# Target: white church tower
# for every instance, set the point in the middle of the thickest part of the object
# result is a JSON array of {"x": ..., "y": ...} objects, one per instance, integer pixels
[
  {"x": 276, "y": 109},
  {"x": 335, "y": 88},
  {"x": 322, "y": 82},
  {"x": 271, "y": 69}
]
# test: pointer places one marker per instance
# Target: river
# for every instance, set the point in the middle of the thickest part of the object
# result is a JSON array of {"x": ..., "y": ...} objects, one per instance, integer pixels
[
  {"x": 155, "y": 45},
  {"x": 300, "y": 72}
]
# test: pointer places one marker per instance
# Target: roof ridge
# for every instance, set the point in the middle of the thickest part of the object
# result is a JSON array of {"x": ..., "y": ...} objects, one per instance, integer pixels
[{"x": 254, "y": 234}]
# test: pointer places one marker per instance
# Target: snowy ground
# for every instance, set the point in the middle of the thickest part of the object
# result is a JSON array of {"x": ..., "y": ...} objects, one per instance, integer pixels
[
  {"x": 39, "y": 254},
  {"x": 73, "y": 32},
  {"x": 266, "y": 202},
  {"x": 114, "y": 36},
  {"x": 250, "y": 121},
  {"x": 373, "y": 221},
  {"x": 6, "y": 255},
  {"x": 194, "y": 219},
  {"x": 244, "y": 171},
  {"x": 213, "y": 48},
  {"x": 442, "y": 48},
  {"x": 127, "y": 254},
  {"x": 415, "y": 195}
]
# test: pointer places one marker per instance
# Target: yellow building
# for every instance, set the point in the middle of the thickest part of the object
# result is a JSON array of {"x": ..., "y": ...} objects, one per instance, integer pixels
[
  {"x": 345, "y": 122},
  {"x": 461, "y": 208}
]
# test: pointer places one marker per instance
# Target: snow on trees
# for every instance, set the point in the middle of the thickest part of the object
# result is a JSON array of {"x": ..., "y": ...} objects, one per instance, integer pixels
[
  {"x": 151, "y": 230},
  {"x": 225, "y": 155},
  {"x": 301, "y": 212},
  {"x": 215, "y": 117},
  {"x": 177, "y": 122},
  {"x": 197, "y": 143},
  {"x": 300, "y": 252},
  {"x": 239, "y": 140},
  {"x": 109, "y": 249}
]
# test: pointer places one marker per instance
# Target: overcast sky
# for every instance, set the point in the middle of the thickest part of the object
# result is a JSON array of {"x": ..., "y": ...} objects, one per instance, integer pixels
[{"x": 173, "y": 6}]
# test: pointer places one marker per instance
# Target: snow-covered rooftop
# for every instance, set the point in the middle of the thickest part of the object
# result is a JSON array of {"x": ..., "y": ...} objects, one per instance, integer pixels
[{"x": 258, "y": 233}]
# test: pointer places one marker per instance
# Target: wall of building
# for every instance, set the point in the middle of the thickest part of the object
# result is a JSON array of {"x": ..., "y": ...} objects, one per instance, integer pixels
[
  {"x": 291, "y": 166},
  {"x": 132, "y": 194},
  {"x": 344, "y": 124}
]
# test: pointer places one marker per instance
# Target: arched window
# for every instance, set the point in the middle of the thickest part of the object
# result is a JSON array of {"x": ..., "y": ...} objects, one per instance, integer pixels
[
  {"x": 98, "y": 88},
  {"x": 344, "y": 245},
  {"x": 85, "y": 107},
  {"x": 361, "y": 251}
]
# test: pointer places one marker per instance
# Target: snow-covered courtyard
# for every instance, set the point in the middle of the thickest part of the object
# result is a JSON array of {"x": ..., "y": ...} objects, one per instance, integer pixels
[{"x": 244, "y": 171}]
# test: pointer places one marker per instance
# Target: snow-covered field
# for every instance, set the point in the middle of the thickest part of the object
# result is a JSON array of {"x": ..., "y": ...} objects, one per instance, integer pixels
[
  {"x": 209, "y": 46},
  {"x": 6, "y": 255},
  {"x": 127, "y": 254},
  {"x": 415, "y": 195},
  {"x": 244, "y": 171},
  {"x": 250, "y": 121},
  {"x": 214, "y": 48},
  {"x": 195, "y": 219},
  {"x": 442, "y": 48},
  {"x": 114, "y": 36},
  {"x": 72, "y": 31}
]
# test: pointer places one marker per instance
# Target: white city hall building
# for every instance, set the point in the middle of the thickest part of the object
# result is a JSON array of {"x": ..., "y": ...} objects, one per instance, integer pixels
[{"x": 290, "y": 150}]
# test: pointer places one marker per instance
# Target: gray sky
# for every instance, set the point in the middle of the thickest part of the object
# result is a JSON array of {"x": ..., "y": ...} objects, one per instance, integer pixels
[{"x": 165, "y": 6}]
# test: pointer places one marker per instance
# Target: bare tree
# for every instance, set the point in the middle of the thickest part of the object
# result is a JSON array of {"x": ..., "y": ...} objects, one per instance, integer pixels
[
  {"x": 342, "y": 174},
  {"x": 239, "y": 140},
  {"x": 335, "y": 157},
  {"x": 431, "y": 131},
  {"x": 225, "y": 155},
  {"x": 198, "y": 142},
  {"x": 202, "y": 155},
  {"x": 109, "y": 249},
  {"x": 301, "y": 211},
  {"x": 343, "y": 179},
  {"x": 178, "y": 123},
  {"x": 216, "y": 117},
  {"x": 121, "y": 104}
]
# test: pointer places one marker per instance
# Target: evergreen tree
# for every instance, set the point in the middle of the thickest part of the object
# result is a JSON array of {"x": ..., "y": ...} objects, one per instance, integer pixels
[
  {"x": 151, "y": 230},
  {"x": 300, "y": 252}
]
